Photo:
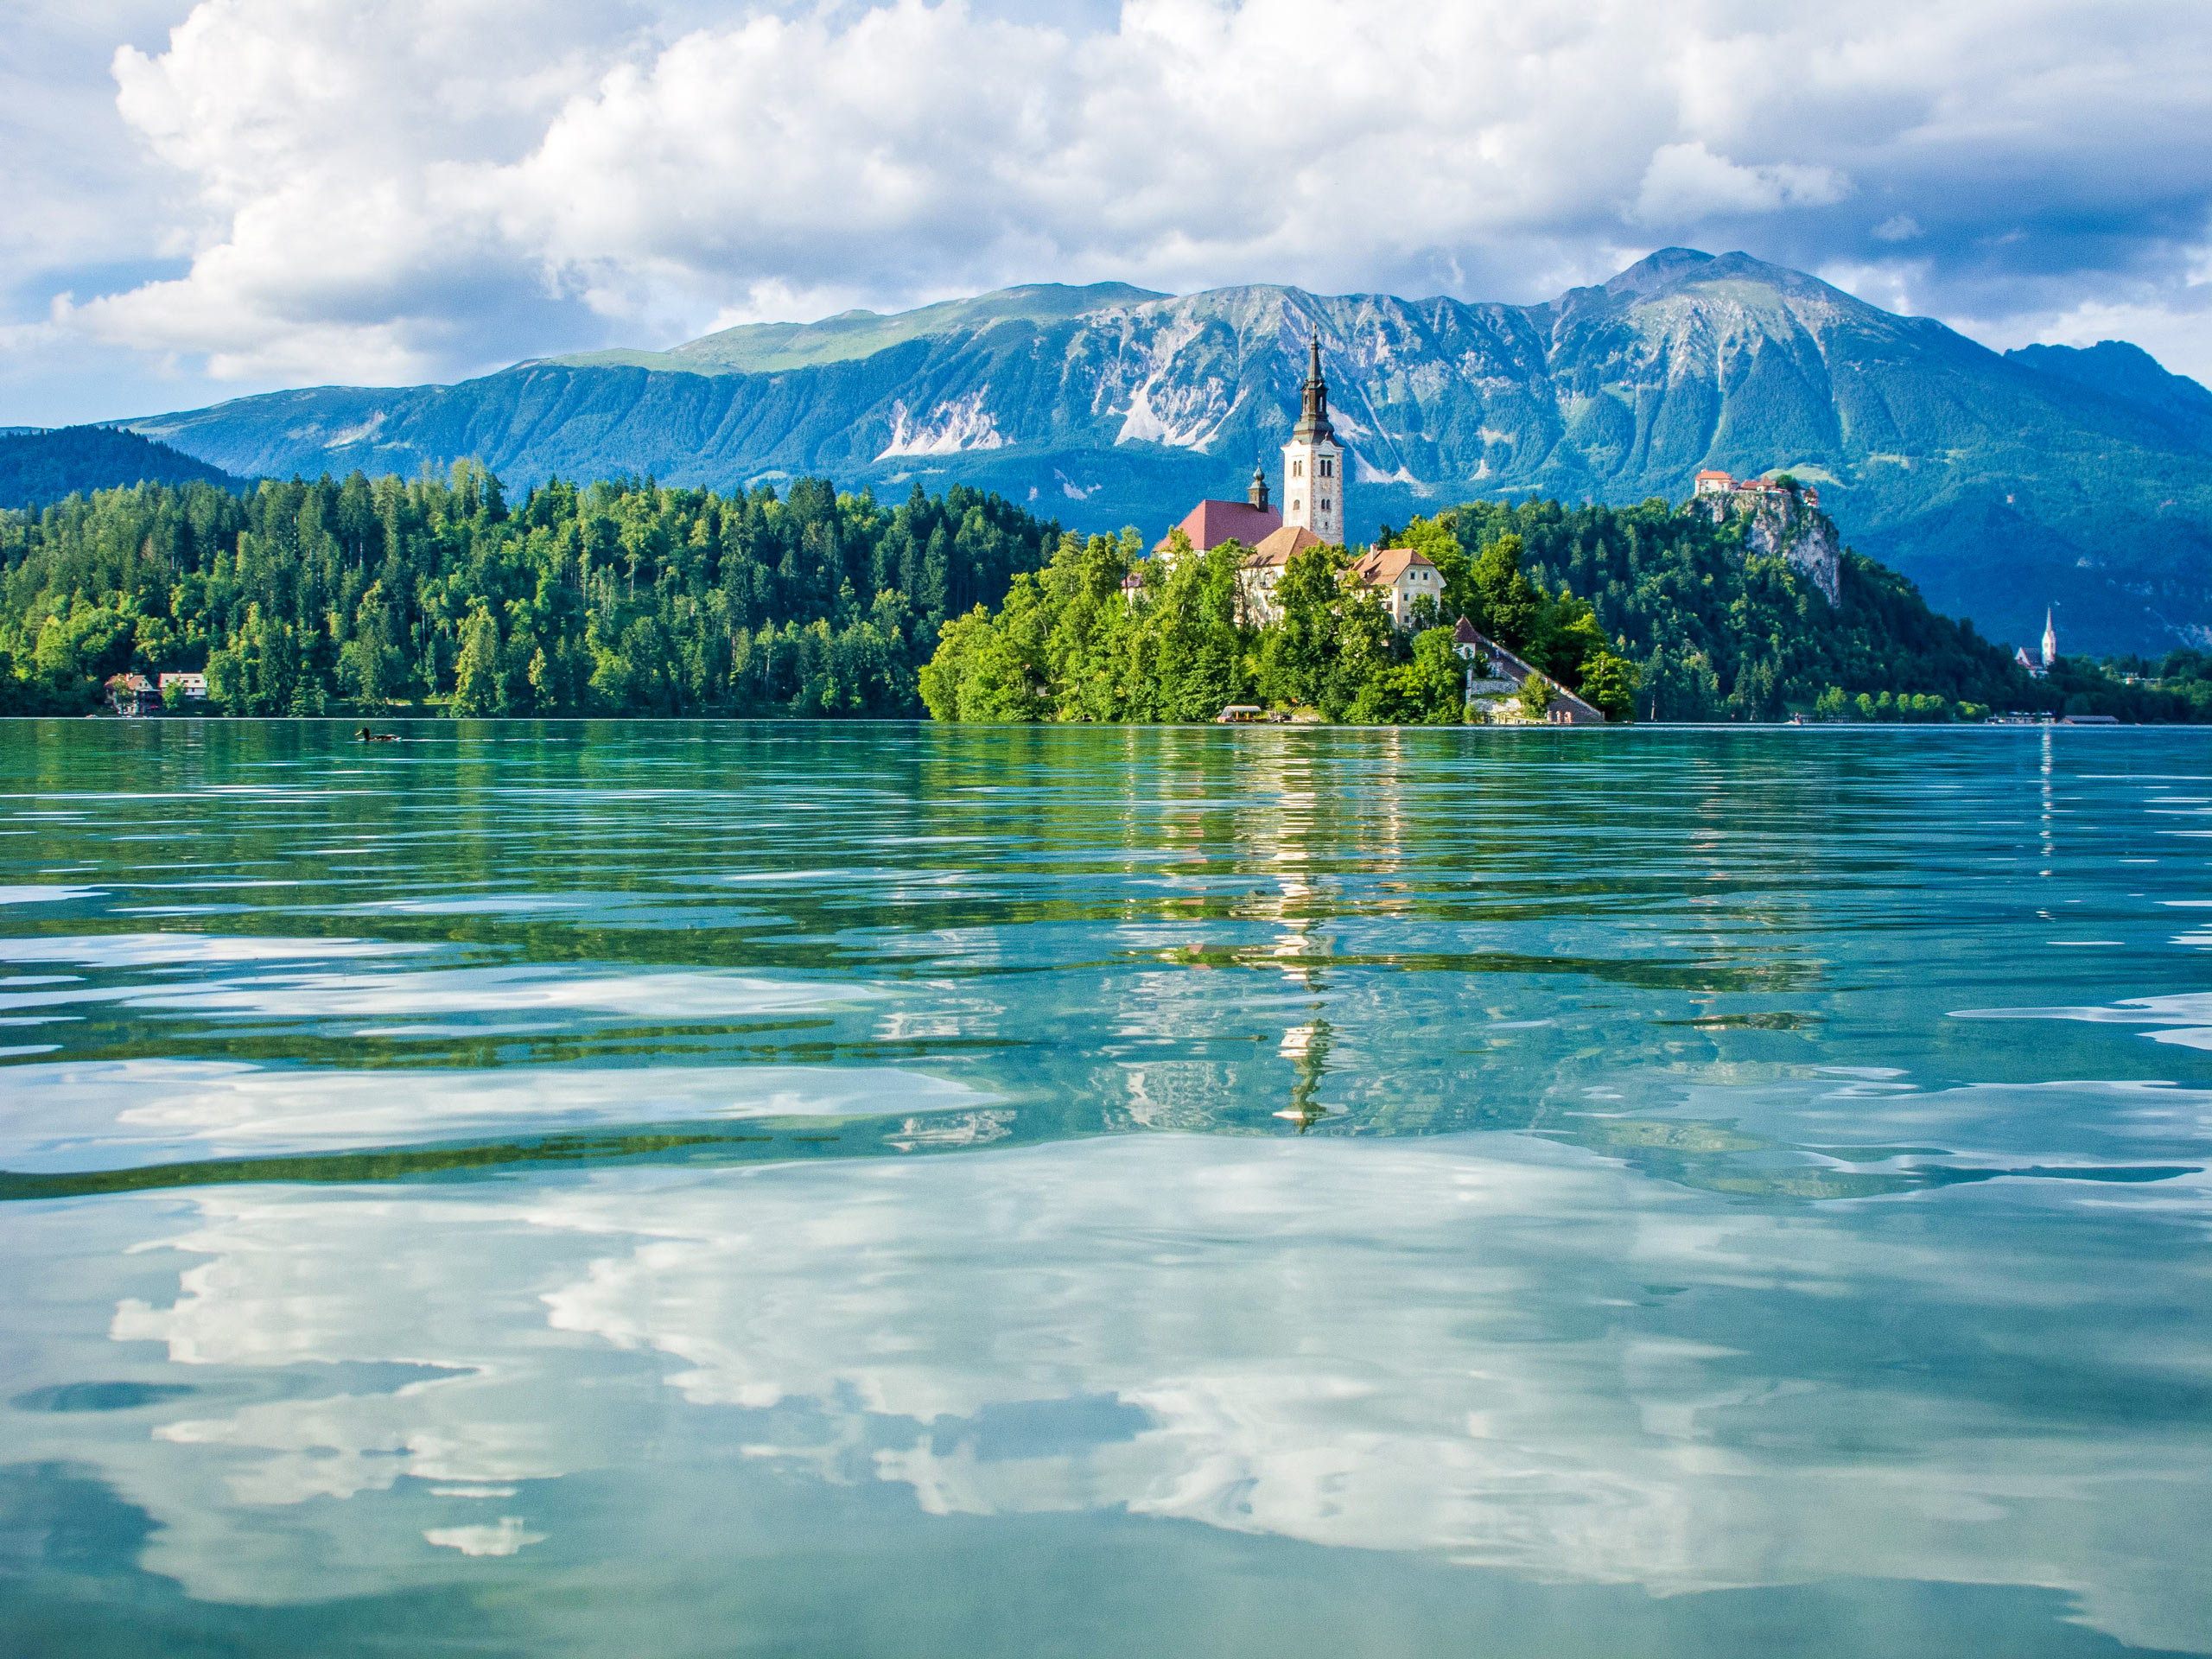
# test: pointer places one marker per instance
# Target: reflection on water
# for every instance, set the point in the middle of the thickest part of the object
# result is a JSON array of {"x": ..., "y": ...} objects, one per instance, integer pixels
[{"x": 697, "y": 1188}]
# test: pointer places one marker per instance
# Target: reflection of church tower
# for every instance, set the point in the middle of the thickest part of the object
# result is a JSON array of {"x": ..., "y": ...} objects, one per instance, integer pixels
[
  {"x": 1312, "y": 480},
  {"x": 2049, "y": 640},
  {"x": 1307, "y": 1047}
]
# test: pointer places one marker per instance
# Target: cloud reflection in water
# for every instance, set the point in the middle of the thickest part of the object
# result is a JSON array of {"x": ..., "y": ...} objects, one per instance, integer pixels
[{"x": 1479, "y": 1348}]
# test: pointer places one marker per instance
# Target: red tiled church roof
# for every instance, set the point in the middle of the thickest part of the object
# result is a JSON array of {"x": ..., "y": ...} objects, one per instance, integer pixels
[{"x": 1211, "y": 522}]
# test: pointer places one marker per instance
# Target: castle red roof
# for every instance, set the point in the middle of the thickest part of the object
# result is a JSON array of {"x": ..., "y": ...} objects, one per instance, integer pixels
[{"x": 1211, "y": 522}]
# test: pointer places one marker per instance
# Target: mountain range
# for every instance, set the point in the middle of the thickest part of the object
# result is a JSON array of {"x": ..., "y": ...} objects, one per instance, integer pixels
[
  {"x": 39, "y": 465},
  {"x": 2002, "y": 484}
]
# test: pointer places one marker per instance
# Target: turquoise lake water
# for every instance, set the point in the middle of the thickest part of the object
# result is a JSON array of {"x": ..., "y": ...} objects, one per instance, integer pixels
[{"x": 704, "y": 1189}]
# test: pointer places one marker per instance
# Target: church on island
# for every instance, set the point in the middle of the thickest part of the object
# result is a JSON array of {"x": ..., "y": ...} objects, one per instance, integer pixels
[
  {"x": 1314, "y": 515},
  {"x": 1314, "y": 494}
]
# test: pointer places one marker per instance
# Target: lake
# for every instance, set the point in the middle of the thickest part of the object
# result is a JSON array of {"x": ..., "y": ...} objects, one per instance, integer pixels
[{"x": 820, "y": 1189}]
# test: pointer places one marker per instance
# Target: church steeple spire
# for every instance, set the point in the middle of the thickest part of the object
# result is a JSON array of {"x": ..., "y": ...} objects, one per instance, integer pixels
[
  {"x": 1313, "y": 411},
  {"x": 1257, "y": 495}
]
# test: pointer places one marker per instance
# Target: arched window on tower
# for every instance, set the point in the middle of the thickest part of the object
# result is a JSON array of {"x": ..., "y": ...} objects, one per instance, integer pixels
[{"x": 1298, "y": 469}]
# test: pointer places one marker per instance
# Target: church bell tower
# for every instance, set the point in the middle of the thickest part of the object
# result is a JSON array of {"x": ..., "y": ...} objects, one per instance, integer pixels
[{"x": 1312, "y": 470}]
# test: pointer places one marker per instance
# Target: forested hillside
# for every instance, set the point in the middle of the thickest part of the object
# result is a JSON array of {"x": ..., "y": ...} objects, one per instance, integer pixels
[
  {"x": 36, "y": 467},
  {"x": 1718, "y": 635},
  {"x": 1713, "y": 634},
  {"x": 618, "y": 598},
  {"x": 1650, "y": 611}
]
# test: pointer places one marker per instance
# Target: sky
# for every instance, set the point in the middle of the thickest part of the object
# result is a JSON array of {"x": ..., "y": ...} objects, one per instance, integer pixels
[{"x": 200, "y": 201}]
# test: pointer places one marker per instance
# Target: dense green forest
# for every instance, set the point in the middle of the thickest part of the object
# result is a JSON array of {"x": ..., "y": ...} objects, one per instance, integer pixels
[
  {"x": 619, "y": 598},
  {"x": 36, "y": 467},
  {"x": 624, "y": 597}
]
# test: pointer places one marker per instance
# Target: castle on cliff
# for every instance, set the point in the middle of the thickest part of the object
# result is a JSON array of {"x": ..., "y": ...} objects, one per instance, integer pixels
[
  {"x": 1746, "y": 492},
  {"x": 1784, "y": 520}
]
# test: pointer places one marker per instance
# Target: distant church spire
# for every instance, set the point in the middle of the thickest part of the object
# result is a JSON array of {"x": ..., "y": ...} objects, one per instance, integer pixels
[
  {"x": 2049, "y": 640},
  {"x": 1257, "y": 495},
  {"x": 1313, "y": 413}
]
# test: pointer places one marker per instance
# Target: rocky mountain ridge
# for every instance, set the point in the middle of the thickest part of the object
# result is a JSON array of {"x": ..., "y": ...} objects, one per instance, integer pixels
[{"x": 2000, "y": 484}]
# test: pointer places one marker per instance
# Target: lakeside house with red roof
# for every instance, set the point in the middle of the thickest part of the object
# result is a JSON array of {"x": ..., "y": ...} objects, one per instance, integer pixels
[{"x": 132, "y": 694}]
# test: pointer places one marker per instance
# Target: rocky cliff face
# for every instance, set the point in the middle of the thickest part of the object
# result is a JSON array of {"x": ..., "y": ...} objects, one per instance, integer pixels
[
  {"x": 1779, "y": 525},
  {"x": 1999, "y": 486}
]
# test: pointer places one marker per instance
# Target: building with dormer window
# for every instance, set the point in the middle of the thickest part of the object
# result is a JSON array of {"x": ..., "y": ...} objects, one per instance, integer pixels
[{"x": 1401, "y": 577}]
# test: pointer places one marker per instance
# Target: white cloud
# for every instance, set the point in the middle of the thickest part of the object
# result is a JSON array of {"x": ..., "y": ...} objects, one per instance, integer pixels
[
  {"x": 73, "y": 190},
  {"x": 352, "y": 192},
  {"x": 64, "y": 1115},
  {"x": 1687, "y": 184},
  {"x": 1890, "y": 284}
]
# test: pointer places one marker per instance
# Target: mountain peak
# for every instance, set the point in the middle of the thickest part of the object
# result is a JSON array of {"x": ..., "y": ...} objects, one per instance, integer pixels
[
  {"x": 1672, "y": 269},
  {"x": 1656, "y": 271},
  {"x": 2115, "y": 367},
  {"x": 2127, "y": 373}
]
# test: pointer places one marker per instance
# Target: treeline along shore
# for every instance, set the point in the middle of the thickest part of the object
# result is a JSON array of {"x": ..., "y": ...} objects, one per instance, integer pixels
[
  {"x": 440, "y": 596},
  {"x": 624, "y": 597}
]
